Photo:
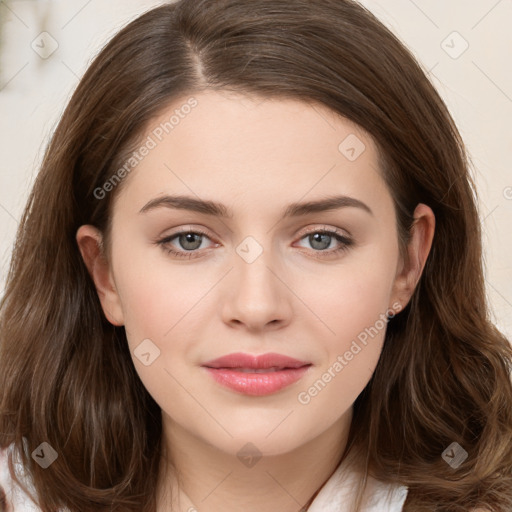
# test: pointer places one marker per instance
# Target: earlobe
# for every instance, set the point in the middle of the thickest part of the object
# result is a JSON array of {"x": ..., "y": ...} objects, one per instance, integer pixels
[
  {"x": 90, "y": 244},
  {"x": 417, "y": 252}
]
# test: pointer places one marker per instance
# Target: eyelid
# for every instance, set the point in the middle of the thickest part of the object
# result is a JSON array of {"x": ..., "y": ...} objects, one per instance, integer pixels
[
  {"x": 345, "y": 233},
  {"x": 185, "y": 229}
]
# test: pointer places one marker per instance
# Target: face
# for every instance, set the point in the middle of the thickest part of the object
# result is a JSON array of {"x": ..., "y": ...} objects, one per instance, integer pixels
[{"x": 313, "y": 284}]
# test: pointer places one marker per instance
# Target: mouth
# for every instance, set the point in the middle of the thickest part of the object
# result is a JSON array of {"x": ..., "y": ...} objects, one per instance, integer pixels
[
  {"x": 267, "y": 362},
  {"x": 256, "y": 375}
]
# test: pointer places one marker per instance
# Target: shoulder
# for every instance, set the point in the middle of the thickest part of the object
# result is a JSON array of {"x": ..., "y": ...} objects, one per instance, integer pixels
[{"x": 12, "y": 497}]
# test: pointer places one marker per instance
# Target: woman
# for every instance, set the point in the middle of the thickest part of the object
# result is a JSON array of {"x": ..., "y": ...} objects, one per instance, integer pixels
[{"x": 263, "y": 370}]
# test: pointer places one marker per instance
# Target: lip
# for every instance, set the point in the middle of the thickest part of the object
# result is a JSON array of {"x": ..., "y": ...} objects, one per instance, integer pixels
[
  {"x": 261, "y": 362},
  {"x": 233, "y": 371}
]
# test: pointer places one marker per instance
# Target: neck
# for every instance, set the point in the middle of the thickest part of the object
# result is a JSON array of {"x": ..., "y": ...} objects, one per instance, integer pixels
[{"x": 197, "y": 476}]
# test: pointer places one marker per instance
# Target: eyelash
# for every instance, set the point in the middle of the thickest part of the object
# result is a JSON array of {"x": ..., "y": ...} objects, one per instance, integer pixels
[{"x": 346, "y": 242}]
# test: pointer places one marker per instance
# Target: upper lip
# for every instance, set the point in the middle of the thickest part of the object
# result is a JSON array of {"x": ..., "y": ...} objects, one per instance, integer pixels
[{"x": 264, "y": 361}]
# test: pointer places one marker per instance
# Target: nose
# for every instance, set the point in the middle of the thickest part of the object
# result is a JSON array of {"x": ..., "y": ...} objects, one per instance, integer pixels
[{"x": 256, "y": 293}]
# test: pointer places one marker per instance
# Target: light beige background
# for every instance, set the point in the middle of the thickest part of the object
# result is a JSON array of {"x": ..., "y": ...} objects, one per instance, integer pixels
[{"x": 475, "y": 83}]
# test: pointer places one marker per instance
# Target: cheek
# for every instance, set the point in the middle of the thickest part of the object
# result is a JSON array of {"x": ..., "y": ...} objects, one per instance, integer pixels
[
  {"x": 353, "y": 309},
  {"x": 156, "y": 295},
  {"x": 354, "y": 299},
  {"x": 159, "y": 304},
  {"x": 359, "y": 306}
]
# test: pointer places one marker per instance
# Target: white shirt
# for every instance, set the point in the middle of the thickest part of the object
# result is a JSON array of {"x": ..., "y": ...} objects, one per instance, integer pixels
[{"x": 336, "y": 495}]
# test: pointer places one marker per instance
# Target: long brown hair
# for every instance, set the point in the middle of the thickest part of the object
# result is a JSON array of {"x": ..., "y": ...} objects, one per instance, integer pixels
[{"x": 66, "y": 374}]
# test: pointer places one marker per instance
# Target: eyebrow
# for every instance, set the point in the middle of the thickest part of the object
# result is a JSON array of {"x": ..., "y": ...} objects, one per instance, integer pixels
[{"x": 213, "y": 208}]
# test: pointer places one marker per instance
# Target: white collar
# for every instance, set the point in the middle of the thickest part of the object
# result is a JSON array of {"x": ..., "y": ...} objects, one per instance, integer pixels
[{"x": 338, "y": 494}]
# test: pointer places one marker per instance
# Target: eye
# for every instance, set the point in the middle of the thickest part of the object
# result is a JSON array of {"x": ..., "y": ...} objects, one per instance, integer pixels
[
  {"x": 320, "y": 239},
  {"x": 189, "y": 241}
]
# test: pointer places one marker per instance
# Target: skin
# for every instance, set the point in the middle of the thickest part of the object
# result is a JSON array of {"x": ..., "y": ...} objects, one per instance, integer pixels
[{"x": 255, "y": 157}]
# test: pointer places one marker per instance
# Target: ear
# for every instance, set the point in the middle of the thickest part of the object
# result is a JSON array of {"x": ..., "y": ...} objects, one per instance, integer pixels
[
  {"x": 90, "y": 243},
  {"x": 409, "y": 271}
]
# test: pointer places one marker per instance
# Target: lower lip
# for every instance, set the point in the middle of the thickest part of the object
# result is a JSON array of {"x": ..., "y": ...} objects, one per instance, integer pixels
[{"x": 257, "y": 384}]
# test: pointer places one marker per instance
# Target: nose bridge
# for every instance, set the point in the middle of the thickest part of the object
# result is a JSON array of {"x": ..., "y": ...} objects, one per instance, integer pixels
[
  {"x": 253, "y": 264},
  {"x": 257, "y": 296}
]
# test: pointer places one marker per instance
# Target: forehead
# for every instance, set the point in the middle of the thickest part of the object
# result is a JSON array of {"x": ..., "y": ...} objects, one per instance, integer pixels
[{"x": 237, "y": 148}]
